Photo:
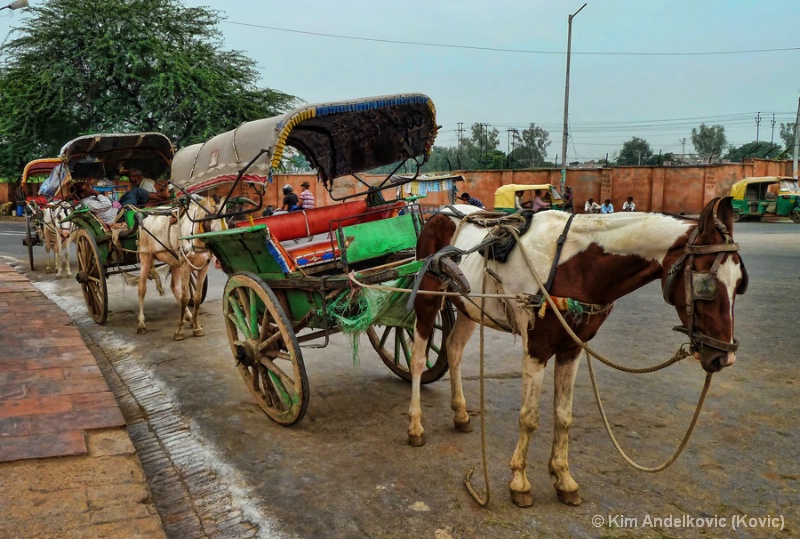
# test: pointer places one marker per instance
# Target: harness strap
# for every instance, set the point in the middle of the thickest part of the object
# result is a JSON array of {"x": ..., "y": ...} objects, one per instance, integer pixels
[{"x": 559, "y": 247}]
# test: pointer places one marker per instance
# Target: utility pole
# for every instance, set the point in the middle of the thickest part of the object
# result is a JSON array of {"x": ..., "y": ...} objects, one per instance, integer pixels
[
  {"x": 566, "y": 106},
  {"x": 772, "y": 137},
  {"x": 758, "y": 121},
  {"x": 796, "y": 141}
]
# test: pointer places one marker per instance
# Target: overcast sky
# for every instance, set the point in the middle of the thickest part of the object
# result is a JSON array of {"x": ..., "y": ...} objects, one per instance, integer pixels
[{"x": 646, "y": 68}]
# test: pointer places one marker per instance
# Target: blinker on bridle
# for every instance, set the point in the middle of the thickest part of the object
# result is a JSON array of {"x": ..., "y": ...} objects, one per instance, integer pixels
[{"x": 701, "y": 286}]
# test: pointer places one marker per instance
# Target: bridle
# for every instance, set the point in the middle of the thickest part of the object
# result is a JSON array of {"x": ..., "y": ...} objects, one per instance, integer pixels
[{"x": 702, "y": 286}]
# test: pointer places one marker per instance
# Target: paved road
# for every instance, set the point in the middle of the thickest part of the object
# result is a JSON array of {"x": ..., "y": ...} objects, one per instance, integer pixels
[{"x": 346, "y": 470}]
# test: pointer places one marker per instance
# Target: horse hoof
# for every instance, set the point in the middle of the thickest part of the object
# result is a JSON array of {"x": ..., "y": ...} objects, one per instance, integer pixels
[
  {"x": 522, "y": 499},
  {"x": 198, "y": 332},
  {"x": 416, "y": 440},
  {"x": 466, "y": 426},
  {"x": 569, "y": 498},
  {"x": 141, "y": 330},
  {"x": 178, "y": 337}
]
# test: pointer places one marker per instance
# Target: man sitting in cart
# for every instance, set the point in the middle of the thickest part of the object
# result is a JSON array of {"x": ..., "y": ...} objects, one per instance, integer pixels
[
  {"x": 99, "y": 204},
  {"x": 138, "y": 195}
]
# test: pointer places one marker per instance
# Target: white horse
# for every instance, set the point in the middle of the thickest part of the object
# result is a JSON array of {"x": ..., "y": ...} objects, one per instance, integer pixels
[
  {"x": 604, "y": 258},
  {"x": 159, "y": 239},
  {"x": 57, "y": 236}
]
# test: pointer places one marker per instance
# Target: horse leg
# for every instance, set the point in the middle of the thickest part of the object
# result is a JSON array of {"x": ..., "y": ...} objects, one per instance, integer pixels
[
  {"x": 564, "y": 380},
  {"x": 202, "y": 275},
  {"x": 145, "y": 265},
  {"x": 426, "y": 307},
  {"x": 180, "y": 289},
  {"x": 416, "y": 437},
  {"x": 532, "y": 375},
  {"x": 65, "y": 251},
  {"x": 48, "y": 250},
  {"x": 456, "y": 341}
]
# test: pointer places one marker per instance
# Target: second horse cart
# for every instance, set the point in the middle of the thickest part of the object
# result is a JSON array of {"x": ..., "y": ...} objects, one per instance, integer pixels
[
  {"x": 100, "y": 251},
  {"x": 282, "y": 295}
]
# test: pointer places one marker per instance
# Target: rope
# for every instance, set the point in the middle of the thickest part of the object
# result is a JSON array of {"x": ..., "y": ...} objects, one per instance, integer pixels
[
  {"x": 484, "y": 461},
  {"x": 681, "y": 446}
]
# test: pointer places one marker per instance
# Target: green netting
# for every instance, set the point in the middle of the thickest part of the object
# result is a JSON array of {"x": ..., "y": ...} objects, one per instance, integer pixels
[{"x": 356, "y": 310}]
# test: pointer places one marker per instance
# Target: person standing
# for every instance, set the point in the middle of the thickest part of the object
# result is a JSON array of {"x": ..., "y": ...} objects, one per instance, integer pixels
[
  {"x": 306, "y": 197},
  {"x": 471, "y": 200},
  {"x": 607, "y": 206},
  {"x": 569, "y": 200},
  {"x": 629, "y": 205},
  {"x": 591, "y": 206}
]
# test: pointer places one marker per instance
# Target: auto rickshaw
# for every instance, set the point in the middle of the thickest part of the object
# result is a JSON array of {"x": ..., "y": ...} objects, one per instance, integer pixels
[
  {"x": 504, "y": 196},
  {"x": 756, "y": 197}
]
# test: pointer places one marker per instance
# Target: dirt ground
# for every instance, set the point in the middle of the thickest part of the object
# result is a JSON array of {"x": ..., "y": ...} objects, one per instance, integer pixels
[{"x": 346, "y": 470}]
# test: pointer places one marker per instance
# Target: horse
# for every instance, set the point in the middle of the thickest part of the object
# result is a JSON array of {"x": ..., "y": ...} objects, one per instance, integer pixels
[
  {"x": 57, "y": 236},
  {"x": 159, "y": 239},
  {"x": 601, "y": 258}
]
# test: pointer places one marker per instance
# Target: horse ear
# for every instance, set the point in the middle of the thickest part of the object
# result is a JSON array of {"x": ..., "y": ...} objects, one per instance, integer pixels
[
  {"x": 706, "y": 224},
  {"x": 725, "y": 213}
]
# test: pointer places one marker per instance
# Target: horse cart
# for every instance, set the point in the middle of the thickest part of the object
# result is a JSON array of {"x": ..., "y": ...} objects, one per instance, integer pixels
[
  {"x": 103, "y": 250},
  {"x": 42, "y": 211},
  {"x": 282, "y": 295}
]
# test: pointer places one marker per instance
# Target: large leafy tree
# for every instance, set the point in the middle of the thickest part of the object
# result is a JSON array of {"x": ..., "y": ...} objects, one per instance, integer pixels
[
  {"x": 74, "y": 68},
  {"x": 480, "y": 150},
  {"x": 709, "y": 139},
  {"x": 530, "y": 147},
  {"x": 635, "y": 151}
]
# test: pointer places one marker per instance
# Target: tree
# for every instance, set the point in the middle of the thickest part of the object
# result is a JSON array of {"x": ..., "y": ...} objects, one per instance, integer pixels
[
  {"x": 479, "y": 152},
  {"x": 787, "y": 135},
  {"x": 530, "y": 147},
  {"x": 763, "y": 150},
  {"x": 75, "y": 68},
  {"x": 709, "y": 139},
  {"x": 635, "y": 151}
]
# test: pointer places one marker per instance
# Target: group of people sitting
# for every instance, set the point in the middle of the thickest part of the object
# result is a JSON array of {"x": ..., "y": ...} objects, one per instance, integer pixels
[
  {"x": 607, "y": 207},
  {"x": 142, "y": 193}
]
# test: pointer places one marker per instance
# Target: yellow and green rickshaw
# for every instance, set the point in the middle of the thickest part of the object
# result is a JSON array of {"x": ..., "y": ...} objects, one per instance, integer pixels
[
  {"x": 505, "y": 195},
  {"x": 753, "y": 198}
]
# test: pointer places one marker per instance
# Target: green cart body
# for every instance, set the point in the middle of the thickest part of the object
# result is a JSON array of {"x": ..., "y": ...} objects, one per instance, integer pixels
[{"x": 295, "y": 279}]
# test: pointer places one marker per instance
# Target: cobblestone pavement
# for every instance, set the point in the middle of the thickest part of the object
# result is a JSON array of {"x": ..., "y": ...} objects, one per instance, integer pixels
[{"x": 67, "y": 465}]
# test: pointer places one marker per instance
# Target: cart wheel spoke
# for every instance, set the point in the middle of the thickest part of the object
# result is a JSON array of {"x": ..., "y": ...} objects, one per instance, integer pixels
[{"x": 397, "y": 355}]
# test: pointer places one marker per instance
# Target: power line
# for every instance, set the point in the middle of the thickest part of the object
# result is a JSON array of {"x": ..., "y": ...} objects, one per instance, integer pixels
[{"x": 497, "y": 49}]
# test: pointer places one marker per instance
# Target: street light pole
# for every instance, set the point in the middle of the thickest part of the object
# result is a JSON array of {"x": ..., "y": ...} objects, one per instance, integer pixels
[
  {"x": 16, "y": 4},
  {"x": 566, "y": 106}
]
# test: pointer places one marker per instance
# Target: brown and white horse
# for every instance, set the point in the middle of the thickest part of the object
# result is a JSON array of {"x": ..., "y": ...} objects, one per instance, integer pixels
[
  {"x": 57, "y": 236},
  {"x": 604, "y": 257},
  {"x": 159, "y": 239}
]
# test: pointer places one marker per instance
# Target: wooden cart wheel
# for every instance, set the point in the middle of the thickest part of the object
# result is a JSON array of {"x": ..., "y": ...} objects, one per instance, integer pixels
[
  {"x": 29, "y": 236},
  {"x": 193, "y": 286},
  {"x": 393, "y": 344},
  {"x": 265, "y": 347},
  {"x": 92, "y": 277}
]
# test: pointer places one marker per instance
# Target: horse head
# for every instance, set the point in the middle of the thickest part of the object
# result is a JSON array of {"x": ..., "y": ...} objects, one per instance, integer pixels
[
  {"x": 703, "y": 283},
  {"x": 200, "y": 210}
]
